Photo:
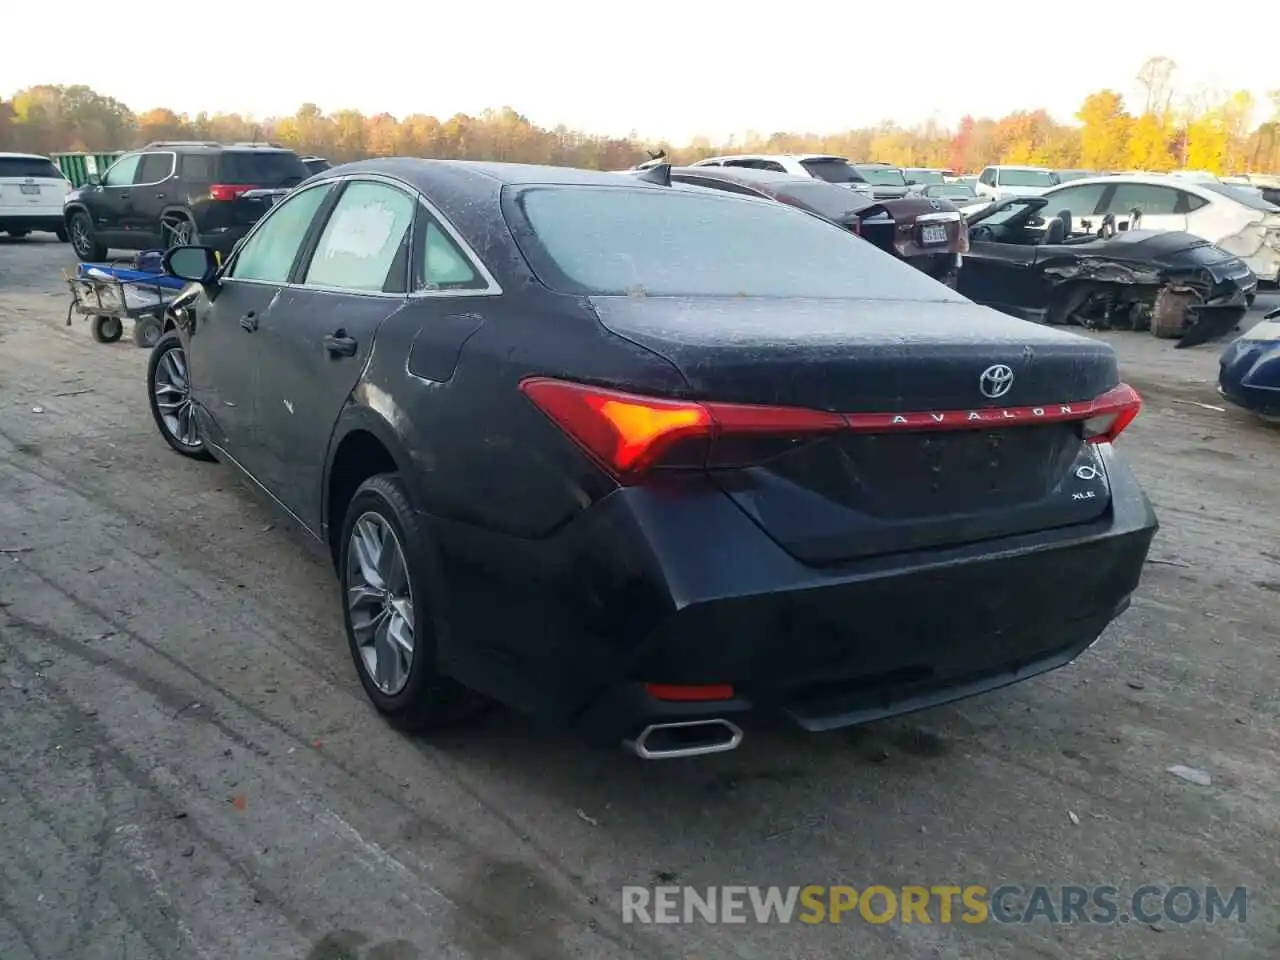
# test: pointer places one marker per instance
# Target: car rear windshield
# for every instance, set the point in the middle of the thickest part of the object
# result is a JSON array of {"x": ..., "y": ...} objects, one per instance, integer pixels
[
  {"x": 883, "y": 176},
  {"x": 833, "y": 170},
  {"x": 1250, "y": 199},
  {"x": 1207, "y": 253},
  {"x": 262, "y": 168},
  {"x": 926, "y": 176},
  {"x": 28, "y": 167},
  {"x": 951, "y": 191},
  {"x": 825, "y": 199},
  {"x": 1027, "y": 178},
  {"x": 620, "y": 241}
]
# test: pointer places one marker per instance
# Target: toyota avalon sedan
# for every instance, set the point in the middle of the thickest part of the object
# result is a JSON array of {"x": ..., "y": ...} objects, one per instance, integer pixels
[{"x": 639, "y": 458}]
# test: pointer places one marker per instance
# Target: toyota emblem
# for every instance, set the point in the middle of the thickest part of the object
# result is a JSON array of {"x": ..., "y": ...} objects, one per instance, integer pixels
[
  {"x": 1087, "y": 472},
  {"x": 995, "y": 381}
]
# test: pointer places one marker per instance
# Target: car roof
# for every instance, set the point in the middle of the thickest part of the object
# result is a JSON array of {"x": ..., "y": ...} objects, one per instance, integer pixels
[
  {"x": 1019, "y": 166},
  {"x": 799, "y": 157},
  {"x": 24, "y": 156},
  {"x": 1150, "y": 179}
]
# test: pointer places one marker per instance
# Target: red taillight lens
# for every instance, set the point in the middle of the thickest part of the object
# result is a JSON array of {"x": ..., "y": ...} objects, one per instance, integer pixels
[
  {"x": 629, "y": 434},
  {"x": 1111, "y": 413},
  {"x": 228, "y": 191}
]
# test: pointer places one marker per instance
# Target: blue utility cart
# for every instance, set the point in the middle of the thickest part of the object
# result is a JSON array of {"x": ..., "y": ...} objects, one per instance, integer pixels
[{"x": 136, "y": 288}]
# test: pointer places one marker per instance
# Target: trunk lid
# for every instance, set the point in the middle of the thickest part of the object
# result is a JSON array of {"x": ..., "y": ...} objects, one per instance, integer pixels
[{"x": 931, "y": 463}]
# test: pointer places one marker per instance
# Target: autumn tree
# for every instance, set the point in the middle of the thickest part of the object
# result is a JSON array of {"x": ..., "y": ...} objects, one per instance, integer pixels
[{"x": 1104, "y": 131}]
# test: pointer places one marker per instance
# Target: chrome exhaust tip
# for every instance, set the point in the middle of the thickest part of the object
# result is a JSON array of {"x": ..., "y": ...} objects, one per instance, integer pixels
[{"x": 688, "y": 738}]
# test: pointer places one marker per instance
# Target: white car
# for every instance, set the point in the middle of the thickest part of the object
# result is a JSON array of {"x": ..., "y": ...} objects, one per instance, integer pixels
[
  {"x": 32, "y": 189},
  {"x": 1233, "y": 219},
  {"x": 819, "y": 166},
  {"x": 1001, "y": 181}
]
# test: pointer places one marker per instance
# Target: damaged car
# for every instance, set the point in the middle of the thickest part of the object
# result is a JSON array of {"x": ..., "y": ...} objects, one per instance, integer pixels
[
  {"x": 1035, "y": 266},
  {"x": 1249, "y": 370},
  {"x": 928, "y": 233}
]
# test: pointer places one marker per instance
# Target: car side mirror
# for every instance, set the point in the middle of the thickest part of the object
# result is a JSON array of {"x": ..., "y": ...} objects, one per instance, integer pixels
[
  {"x": 93, "y": 180},
  {"x": 196, "y": 264}
]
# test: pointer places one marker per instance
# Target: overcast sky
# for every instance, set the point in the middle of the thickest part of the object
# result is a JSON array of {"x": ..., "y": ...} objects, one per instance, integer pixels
[{"x": 665, "y": 70}]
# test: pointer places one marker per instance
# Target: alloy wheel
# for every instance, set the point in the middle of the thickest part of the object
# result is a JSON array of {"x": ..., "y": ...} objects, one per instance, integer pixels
[
  {"x": 380, "y": 602},
  {"x": 173, "y": 398},
  {"x": 181, "y": 232},
  {"x": 81, "y": 242}
]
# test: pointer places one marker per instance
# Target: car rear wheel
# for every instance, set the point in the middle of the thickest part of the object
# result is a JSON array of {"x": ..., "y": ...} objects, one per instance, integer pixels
[
  {"x": 83, "y": 240},
  {"x": 388, "y": 612},
  {"x": 1169, "y": 314},
  {"x": 147, "y": 331},
  {"x": 169, "y": 391},
  {"x": 178, "y": 231}
]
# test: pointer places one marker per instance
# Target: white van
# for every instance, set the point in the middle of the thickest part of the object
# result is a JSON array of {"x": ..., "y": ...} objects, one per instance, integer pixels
[{"x": 32, "y": 190}]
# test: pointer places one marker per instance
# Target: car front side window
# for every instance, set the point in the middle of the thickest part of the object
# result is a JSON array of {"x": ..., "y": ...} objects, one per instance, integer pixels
[
  {"x": 121, "y": 173},
  {"x": 365, "y": 244},
  {"x": 269, "y": 254}
]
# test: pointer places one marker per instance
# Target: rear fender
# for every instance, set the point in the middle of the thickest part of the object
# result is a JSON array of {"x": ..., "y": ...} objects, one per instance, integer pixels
[{"x": 356, "y": 418}]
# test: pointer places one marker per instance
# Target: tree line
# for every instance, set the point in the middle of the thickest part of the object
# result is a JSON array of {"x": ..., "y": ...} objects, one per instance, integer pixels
[{"x": 1171, "y": 128}]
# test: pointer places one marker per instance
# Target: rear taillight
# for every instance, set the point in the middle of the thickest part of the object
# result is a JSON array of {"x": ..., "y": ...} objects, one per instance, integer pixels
[
  {"x": 1110, "y": 413},
  {"x": 630, "y": 434},
  {"x": 228, "y": 191}
]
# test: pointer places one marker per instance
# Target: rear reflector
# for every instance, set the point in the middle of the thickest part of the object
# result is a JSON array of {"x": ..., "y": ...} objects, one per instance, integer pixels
[
  {"x": 667, "y": 691},
  {"x": 629, "y": 434}
]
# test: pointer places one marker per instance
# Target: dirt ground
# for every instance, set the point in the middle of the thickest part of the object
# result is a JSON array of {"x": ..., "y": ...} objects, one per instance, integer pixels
[{"x": 189, "y": 767}]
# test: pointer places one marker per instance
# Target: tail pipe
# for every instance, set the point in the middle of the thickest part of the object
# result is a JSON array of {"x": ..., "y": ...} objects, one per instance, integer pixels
[{"x": 687, "y": 738}]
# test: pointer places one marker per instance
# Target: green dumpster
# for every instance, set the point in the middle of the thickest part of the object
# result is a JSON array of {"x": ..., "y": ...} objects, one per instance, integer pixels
[{"x": 78, "y": 167}]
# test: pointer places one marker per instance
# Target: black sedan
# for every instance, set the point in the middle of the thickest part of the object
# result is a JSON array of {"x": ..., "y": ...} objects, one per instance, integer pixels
[
  {"x": 639, "y": 459},
  {"x": 1058, "y": 270}
]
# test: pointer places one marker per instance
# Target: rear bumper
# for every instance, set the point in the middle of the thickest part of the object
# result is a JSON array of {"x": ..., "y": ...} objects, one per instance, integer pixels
[
  {"x": 48, "y": 222},
  {"x": 646, "y": 589}
]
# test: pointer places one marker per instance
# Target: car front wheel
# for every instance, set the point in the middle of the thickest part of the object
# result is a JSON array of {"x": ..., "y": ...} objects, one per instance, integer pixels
[
  {"x": 169, "y": 390},
  {"x": 387, "y": 610}
]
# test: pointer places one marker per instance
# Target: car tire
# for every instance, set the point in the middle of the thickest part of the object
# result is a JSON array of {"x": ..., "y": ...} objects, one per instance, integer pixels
[
  {"x": 106, "y": 329},
  {"x": 169, "y": 395},
  {"x": 147, "y": 331},
  {"x": 1169, "y": 314},
  {"x": 178, "y": 230},
  {"x": 61, "y": 234},
  {"x": 412, "y": 695},
  {"x": 83, "y": 240}
]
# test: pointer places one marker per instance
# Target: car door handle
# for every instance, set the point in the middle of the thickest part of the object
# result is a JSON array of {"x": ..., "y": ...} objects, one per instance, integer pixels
[
  {"x": 159, "y": 196},
  {"x": 249, "y": 321},
  {"x": 124, "y": 195},
  {"x": 340, "y": 345}
]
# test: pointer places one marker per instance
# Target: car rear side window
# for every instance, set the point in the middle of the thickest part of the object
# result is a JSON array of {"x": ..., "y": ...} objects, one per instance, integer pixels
[
  {"x": 262, "y": 168},
  {"x": 24, "y": 167},
  {"x": 612, "y": 241},
  {"x": 364, "y": 246},
  {"x": 1148, "y": 199},
  {"x": 269, "y": 253},
  {"x": 198, "y": 167},
  {"x": 441, "y": 264},
  {"x": 154, "y": 168}
]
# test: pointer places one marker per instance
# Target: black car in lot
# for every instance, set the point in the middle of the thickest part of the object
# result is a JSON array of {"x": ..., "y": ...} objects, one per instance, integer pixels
[
  {"x": 172, "y": 193},
  {"x": 641, "y": 458},
  {"x": 1041, "y": 268}
]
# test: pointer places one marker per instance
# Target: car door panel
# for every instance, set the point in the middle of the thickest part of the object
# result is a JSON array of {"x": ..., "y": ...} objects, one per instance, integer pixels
[
  {"x": 1001, "y": 275},
  {"x": 220, "y": 364},
  {"x": 149, "y": 197},
  {"x": 302, "y": 386},
  {"x": 109, "y": 203}
]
